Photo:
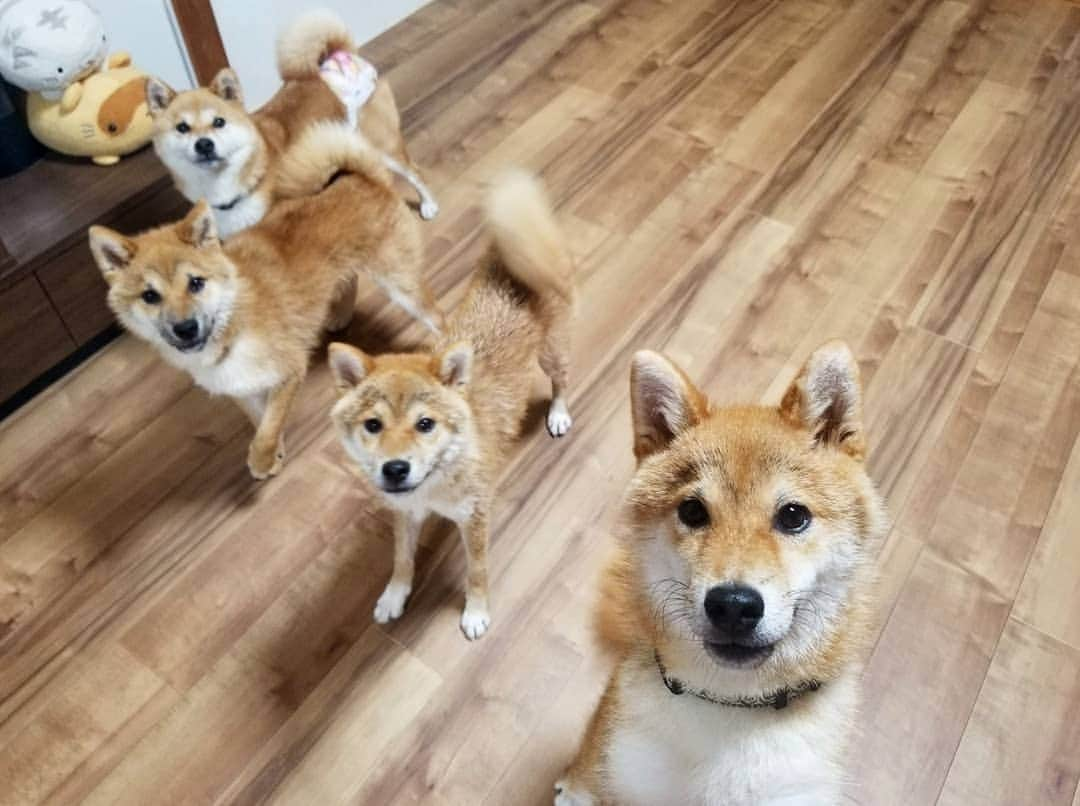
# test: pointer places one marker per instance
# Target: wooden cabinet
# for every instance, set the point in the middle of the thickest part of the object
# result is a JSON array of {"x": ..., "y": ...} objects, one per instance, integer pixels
[
  {"x": 52, "y": 297},
  {"x": 32, "y": 335}
]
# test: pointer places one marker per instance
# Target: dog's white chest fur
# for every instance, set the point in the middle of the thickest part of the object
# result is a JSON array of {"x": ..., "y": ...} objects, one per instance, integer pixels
[
  {"x": 247, "y": 369},
  {"x": 222, "y": 187},
  {"x": 669, "y": 749},
  {"x": 247, "y": 212}
]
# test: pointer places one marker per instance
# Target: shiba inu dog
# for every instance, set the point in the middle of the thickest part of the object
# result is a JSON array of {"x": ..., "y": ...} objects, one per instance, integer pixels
[
  {"x": 737, "y": 607},
  {"x": 216, "y": 151},
  {"x": 243, "y": 316},
  {"x": 430, "y": 430}
]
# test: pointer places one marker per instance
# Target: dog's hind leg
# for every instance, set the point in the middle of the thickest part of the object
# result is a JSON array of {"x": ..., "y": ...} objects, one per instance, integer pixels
[
  {"x": 343, "y": 308},
  {"x": 554, "y": 359},
  {"x": 429, "y": 208},
  {"x": 412, "y": 294}
]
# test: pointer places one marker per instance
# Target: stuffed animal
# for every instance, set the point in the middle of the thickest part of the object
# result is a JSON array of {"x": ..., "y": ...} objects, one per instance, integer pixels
[
  {"x": 54, "y": 50},
  {"x": 46, "y": 45},
  {"x": 103, "y": 117}
]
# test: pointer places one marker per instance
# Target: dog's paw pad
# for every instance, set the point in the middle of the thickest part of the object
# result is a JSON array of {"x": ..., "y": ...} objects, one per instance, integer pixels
[
  {"x": 392, "y": 603},
  {"x": 429, "y": 209},
  {"x": 565, "y": 795},
  {"x": 558, "y": 419},
  {"x": 475, "y": 622}
]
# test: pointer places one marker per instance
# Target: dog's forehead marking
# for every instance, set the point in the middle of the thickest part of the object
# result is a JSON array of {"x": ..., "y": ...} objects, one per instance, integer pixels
[
  {"x": 399, "y": 391},
  {"x": 736, "y": 464}
]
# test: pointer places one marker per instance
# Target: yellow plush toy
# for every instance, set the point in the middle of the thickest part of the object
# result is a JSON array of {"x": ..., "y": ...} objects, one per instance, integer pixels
[{"x": 102, "y": 116}]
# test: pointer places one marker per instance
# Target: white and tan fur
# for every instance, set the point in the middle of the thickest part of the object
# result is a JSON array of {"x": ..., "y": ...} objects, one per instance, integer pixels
[
  {"x": 444, "y": 420},
  {"x": 242, "y": 316},
  {"x": 742, "y": 466},
  {"x": 237, "y": 177}
]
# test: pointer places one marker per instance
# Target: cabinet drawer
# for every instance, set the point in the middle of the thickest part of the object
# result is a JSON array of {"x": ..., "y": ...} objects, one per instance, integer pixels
[
  {"x": 32, "y": 337},
  {"x": 75, "y": 286}
]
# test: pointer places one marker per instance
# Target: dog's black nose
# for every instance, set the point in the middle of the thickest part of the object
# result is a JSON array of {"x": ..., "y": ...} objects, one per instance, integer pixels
[
  {"x": 204, "y": 146},
  {"x": 735, "y": 609},
  {"x": 396, "y": 470},
  {"x": 186, "y": 330}
]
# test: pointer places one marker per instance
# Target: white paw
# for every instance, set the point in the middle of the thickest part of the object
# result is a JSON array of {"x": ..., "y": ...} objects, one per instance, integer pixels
[
  {"x": 429, "y": 209},
  {"x": 565, "y": 796},
  {"x": 558, "y": 419},
  {"x": 474, "y": 622},
  {"x": 392, "y": 602}
]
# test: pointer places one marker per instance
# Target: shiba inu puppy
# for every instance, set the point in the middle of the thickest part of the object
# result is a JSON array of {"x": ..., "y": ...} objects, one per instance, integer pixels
[
  {"x": 216, "y": 151},
  {"x": 430, "y": 430},
  {"x": 243, "y": 316},
  {"x": 738, "y": 605}
]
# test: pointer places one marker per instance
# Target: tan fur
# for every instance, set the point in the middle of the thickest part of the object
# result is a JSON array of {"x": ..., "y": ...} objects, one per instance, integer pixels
[
  {"x": 269, "y": 291},
  {"x": 740, "y": 461},
  {"x": 319, "y": 153},
  {"x": 303, "y": 46},
  {"x": 303, "y": 99},
  {"x": 473, "y": 385}
]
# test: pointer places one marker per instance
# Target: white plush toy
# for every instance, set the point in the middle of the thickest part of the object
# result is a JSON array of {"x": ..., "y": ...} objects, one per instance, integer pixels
[{"x": 47, "y": 45}]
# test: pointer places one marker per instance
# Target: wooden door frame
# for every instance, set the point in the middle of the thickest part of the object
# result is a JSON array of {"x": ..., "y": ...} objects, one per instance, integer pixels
[{"x": 202, "y": 37}]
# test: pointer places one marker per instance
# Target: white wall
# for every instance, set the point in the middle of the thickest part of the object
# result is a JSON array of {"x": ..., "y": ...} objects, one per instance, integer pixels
[
  {"x": 249, "y": 29},
  {"x": 145, "y": 29}
]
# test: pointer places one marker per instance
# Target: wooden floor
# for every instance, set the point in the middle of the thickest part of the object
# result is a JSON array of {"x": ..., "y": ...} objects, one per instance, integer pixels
[{"x": 741, "y": 180}]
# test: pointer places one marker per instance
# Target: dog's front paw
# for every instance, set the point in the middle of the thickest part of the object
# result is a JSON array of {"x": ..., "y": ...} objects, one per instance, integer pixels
[
  {"x": 264, "y": 463},
  {"x": 429, "y": 208},
  {"x": 392, "y": 602},
  {"x": 558, "y": 419},
  {"x": 475, "y": 621},
  {"x": 566, "y": 795}
]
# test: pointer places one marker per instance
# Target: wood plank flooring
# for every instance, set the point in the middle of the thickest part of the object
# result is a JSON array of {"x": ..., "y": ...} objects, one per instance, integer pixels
[{"x": 740, "y": 180}]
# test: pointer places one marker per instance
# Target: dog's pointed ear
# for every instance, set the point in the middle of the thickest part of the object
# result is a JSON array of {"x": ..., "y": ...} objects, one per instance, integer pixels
[
  {"x": 455, "y": 364},
  {"x": 198, "y": 227},
  {"x": 158, "y": 96},
  {"x": 226, "y": 85},
  {"x": 825, "y": 399},
  {"x": 664, "y": 402},
  {"x": 112, "y": 251},
  {"x": 348, "y": 365}
]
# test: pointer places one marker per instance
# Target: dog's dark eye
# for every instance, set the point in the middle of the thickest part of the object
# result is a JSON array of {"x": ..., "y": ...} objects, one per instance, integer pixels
[
  {"x": 196, "y": 284},
  {"x": 792, "y": 518},
  {"x": 182, "y": 127},
  {"x": 219, "y": 123},
  {"x": 373, "y": 425},
  {"x": 112, "y": 128},
  {"x": 425, "y": 424},
  {"x": 151, "y": 297},
  {"x": 693, "y": 513}
]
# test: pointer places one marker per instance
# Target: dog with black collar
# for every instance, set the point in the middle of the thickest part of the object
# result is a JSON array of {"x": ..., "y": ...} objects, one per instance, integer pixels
[
  {"x": 218, "y": 151},
  {"x": 738, "y": 607}
]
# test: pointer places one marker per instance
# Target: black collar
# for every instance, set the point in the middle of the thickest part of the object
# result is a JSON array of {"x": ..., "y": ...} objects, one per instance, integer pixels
[
  {"x": 234, "y": 202},
  {"x": 775, "y": 699},
  {"x": 242, "y": 196}
]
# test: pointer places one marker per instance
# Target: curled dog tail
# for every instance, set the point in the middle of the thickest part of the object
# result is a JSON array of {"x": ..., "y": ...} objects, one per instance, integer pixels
[
  {"x": 324, "y": 149},
  {"x": 308, "y": 40},
  {"x": 527, "y": 240}
]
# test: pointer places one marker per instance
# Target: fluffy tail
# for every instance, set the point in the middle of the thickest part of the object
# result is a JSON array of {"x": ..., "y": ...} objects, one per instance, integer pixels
[
  {"x": 308, "y": 40},
  {"x": 527, "y": 239},
  {"x": 324, "y": 149}
]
